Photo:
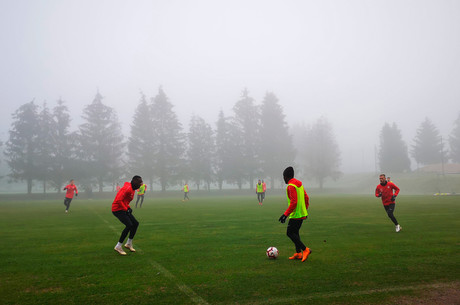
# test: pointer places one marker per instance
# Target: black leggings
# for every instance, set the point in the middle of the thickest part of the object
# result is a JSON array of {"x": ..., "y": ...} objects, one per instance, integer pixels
[
  {"x": 67, "y": 203},
  {"x": 390, "y": 209},
  {"x": 293, "y": 233},
  {"x": 129, "y": 221}
]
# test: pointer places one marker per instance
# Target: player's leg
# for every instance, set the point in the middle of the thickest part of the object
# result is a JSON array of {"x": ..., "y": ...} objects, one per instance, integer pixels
[
  {"x": 124, "y": 219},
  {"x": 137, "y": 200},
  {"x": 132, "y": 232},
  {"x": 390, "y": 210},
  {"x": 293, "y": 233},
  {"x": 142, "y": 201},
  {"x": 302, "y": 252},
  {"x": 67, "y": 204}
]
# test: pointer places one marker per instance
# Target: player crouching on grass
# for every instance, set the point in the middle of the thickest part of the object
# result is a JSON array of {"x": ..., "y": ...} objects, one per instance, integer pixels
[
  {"x": 385, "y": 190},
  {"x": 122, "y": 210},
  {"x": 297, "y": 212}
]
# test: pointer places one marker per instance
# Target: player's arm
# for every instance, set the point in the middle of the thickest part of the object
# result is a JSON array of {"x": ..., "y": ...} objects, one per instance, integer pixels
[
  {"x": 378, "y": 193},
  {"x": 307, "y": 199},
  {"x": 76, "y": 191},
  {"x": 396, "y": 189},
  {"x": 292, "y": 194}
]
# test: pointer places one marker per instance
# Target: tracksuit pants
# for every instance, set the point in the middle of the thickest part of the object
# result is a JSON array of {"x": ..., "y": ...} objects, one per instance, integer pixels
[
  {"x": 390, "y": 210},
  {"x": 129, "y": 221},
  {"x": 293, "y": 233},
  {"x": 67, "y": 203}
]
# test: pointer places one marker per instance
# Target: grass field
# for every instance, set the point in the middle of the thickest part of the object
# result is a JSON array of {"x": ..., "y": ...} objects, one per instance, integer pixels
[{"x": 211, "y": 250}]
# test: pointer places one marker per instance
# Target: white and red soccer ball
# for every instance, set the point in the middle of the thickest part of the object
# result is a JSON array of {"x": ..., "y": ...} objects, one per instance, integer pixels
[{"x": 272, "y": 253}]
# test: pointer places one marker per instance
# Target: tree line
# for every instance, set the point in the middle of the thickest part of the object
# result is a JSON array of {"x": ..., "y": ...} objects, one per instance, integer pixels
[
  {"x": 251, "y": 143},
  {"x": 254, "y": 141},
  {"x": 428, "y": 147}
]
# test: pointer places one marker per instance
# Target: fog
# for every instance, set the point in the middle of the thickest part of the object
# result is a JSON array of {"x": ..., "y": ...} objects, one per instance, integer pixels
[{"x": 357, "y": 63}]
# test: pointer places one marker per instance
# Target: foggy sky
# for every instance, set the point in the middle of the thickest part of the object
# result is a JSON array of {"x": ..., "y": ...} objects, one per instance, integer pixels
[{"x": 358, "y": 63}]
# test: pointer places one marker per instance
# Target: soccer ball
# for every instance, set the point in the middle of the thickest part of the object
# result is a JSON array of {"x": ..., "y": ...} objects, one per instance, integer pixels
[{"x": 272, "y": 252}]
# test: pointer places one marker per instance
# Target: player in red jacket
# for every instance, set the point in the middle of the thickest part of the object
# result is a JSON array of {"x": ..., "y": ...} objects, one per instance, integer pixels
[
  {"x": 388, "y": 191},
  {"x": 71, "y": 189},
  {"x": 122, "y": 210}
]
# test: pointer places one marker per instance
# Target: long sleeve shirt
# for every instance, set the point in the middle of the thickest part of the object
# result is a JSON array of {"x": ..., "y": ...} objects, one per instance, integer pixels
[
  {"x": 124, "y": 196},
  {"x": 386, "y": 191}
]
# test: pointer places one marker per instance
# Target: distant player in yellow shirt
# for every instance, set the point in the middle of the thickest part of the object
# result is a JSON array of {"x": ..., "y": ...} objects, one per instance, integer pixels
[
  {"x": 140, "y": 194},
  {"x": 186, "y": 190}
]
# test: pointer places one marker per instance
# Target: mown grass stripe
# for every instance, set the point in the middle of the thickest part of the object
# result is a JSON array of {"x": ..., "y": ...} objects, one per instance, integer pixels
[{"x": 162, "y": 270}]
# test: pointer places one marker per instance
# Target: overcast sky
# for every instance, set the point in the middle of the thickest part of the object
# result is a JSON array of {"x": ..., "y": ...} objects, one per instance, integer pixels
[{"x": 358, "y": 63}]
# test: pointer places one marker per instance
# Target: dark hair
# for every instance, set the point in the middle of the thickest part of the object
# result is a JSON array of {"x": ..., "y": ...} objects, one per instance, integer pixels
[
  {"x": 382, "y": 175},
  {"x": 136, "y": 178},
  {"x": 289, "y": 172}
]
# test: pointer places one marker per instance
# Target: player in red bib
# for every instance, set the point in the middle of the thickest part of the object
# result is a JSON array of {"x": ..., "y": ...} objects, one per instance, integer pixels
[
  {"x": 71, "y": 189},
  {"x": 388, "y": 191},
  {"x": 124, "y": 213}
]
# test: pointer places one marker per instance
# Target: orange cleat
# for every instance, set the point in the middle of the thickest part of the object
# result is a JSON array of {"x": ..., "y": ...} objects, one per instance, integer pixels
[
  {"x": 296, "y": 256},
  {"x": 305, "y": 254}
]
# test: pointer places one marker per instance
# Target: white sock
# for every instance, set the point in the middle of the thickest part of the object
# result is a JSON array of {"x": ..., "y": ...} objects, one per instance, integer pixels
[
  {"x": 130, "y": 241},
  {"x": 119, "y": 244}
]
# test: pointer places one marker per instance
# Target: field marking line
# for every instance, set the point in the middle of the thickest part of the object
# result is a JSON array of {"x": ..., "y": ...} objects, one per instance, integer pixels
[
  {"x": 356, "y": 293},
  {"x": 182, "y": 287}
]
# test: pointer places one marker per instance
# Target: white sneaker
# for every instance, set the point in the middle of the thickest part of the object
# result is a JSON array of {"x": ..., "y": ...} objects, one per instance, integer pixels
[
  {"x": 398, "y": 228},
  {"x": 130, "y": 247},
  {"x": 66, "y": 211},
  {"x": 119, "y": 250}
]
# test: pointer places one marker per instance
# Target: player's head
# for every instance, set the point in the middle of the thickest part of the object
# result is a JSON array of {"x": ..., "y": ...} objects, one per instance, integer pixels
[
  {"x": 71, "y": 181},
  {"x": 136, "y": 182},
  {"x": 258, "y": 181},
  {"x": 288, "y": 174},
  {"x": 388, "y": 179},
  {"x": 382, "y": 178}
]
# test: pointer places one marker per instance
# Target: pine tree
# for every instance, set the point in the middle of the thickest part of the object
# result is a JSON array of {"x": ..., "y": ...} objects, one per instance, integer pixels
[
  {"x": 47, "y": 144},
  {"x": 21, "y": 149},
  {"x": 101, "y": 142},
  {"x": 222, "y": 149},
  {"x": 428, "y": 146},
  {"x": 65, "y": 141},
  {"x": 141, "y": 142},
  {"x": 321, "y": 152},
  {"x": 454, "y": 141},
  {"x": 277, "y": 148},
  {"x": 246, "y": 128},
  {"x": 393, "y": 156},
  {"x": 200, "y": 151},
  {"x": 169, "y": 145}
]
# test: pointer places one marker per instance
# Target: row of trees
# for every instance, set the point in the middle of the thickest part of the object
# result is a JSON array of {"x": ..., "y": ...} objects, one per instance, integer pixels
[
  {"x": 428, "y": 147},
  {"x": 253, "y": 142}
]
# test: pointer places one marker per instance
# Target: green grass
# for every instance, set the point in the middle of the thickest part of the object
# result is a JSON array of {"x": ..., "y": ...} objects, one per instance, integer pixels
[{"x": 212, "y": 250}]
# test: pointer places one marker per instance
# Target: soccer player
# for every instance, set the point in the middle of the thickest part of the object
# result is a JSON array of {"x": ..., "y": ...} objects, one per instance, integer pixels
[
  {"x": 122, "y": 211},
  {"x": 140, "y": 194},
  {"x": 260, "y": 192},
  {"x": 297, "y": 212},
  {"x": 185, "y": 189},
  {"x": 388, "y": 192},
  {"x": 71, "y": 189}
]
